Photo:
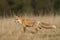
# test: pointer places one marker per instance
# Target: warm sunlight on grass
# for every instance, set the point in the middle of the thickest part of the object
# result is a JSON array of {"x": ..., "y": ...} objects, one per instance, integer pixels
[{"x": 9, "y": 30}]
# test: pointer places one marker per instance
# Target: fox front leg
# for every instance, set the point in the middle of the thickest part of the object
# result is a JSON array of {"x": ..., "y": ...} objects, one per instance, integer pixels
[{"x": 24, "y": 28}]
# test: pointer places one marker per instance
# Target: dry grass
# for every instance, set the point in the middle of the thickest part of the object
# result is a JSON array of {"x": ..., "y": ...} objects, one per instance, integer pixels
[{"x": 9, "y": 30}]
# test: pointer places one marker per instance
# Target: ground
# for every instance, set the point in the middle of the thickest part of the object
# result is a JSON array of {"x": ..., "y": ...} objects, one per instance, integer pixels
[{"x": 9, "y": 30}]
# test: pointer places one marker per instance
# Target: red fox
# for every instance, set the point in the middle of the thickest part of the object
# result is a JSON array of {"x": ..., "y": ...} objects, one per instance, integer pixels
[
  {"x": 29, "y": 23},
  {"x": 25, "y": 22}
]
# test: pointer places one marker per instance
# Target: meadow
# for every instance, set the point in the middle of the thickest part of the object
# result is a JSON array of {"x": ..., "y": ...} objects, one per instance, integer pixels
[{"x": 9, "y": 30}]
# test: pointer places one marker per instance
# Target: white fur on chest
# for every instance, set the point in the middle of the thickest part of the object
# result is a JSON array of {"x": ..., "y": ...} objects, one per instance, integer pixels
[{"x": 19, "y": 21}]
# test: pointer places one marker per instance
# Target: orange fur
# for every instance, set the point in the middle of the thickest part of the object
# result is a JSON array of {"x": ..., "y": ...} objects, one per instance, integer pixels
[
  {"x": 47, "y": 25},
  {"x": 29, "y": 23},
  {"x": 25, "y": 22}
]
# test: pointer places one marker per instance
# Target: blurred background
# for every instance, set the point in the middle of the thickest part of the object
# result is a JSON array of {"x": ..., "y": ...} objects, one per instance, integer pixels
[
  {"x": 40, "y": 10},
  {"x": 9, "y": 8}
]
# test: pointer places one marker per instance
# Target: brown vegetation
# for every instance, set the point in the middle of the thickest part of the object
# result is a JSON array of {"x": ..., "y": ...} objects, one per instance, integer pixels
[{"x": 9, "y": 30}]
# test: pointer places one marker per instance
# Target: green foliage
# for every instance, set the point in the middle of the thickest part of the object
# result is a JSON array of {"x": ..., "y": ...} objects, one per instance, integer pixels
[
  {"x": 57, "y": 4},
  {"x": 25, "y": 5},
  {"x": 3, "y": 3}
]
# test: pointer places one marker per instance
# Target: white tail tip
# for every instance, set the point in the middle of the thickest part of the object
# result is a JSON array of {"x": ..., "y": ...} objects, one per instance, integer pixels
[{"x": 54, "y": 26}]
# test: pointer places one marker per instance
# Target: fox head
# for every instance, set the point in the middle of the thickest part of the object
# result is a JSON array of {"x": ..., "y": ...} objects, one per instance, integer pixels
[{"x": 18, "y": 20}]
